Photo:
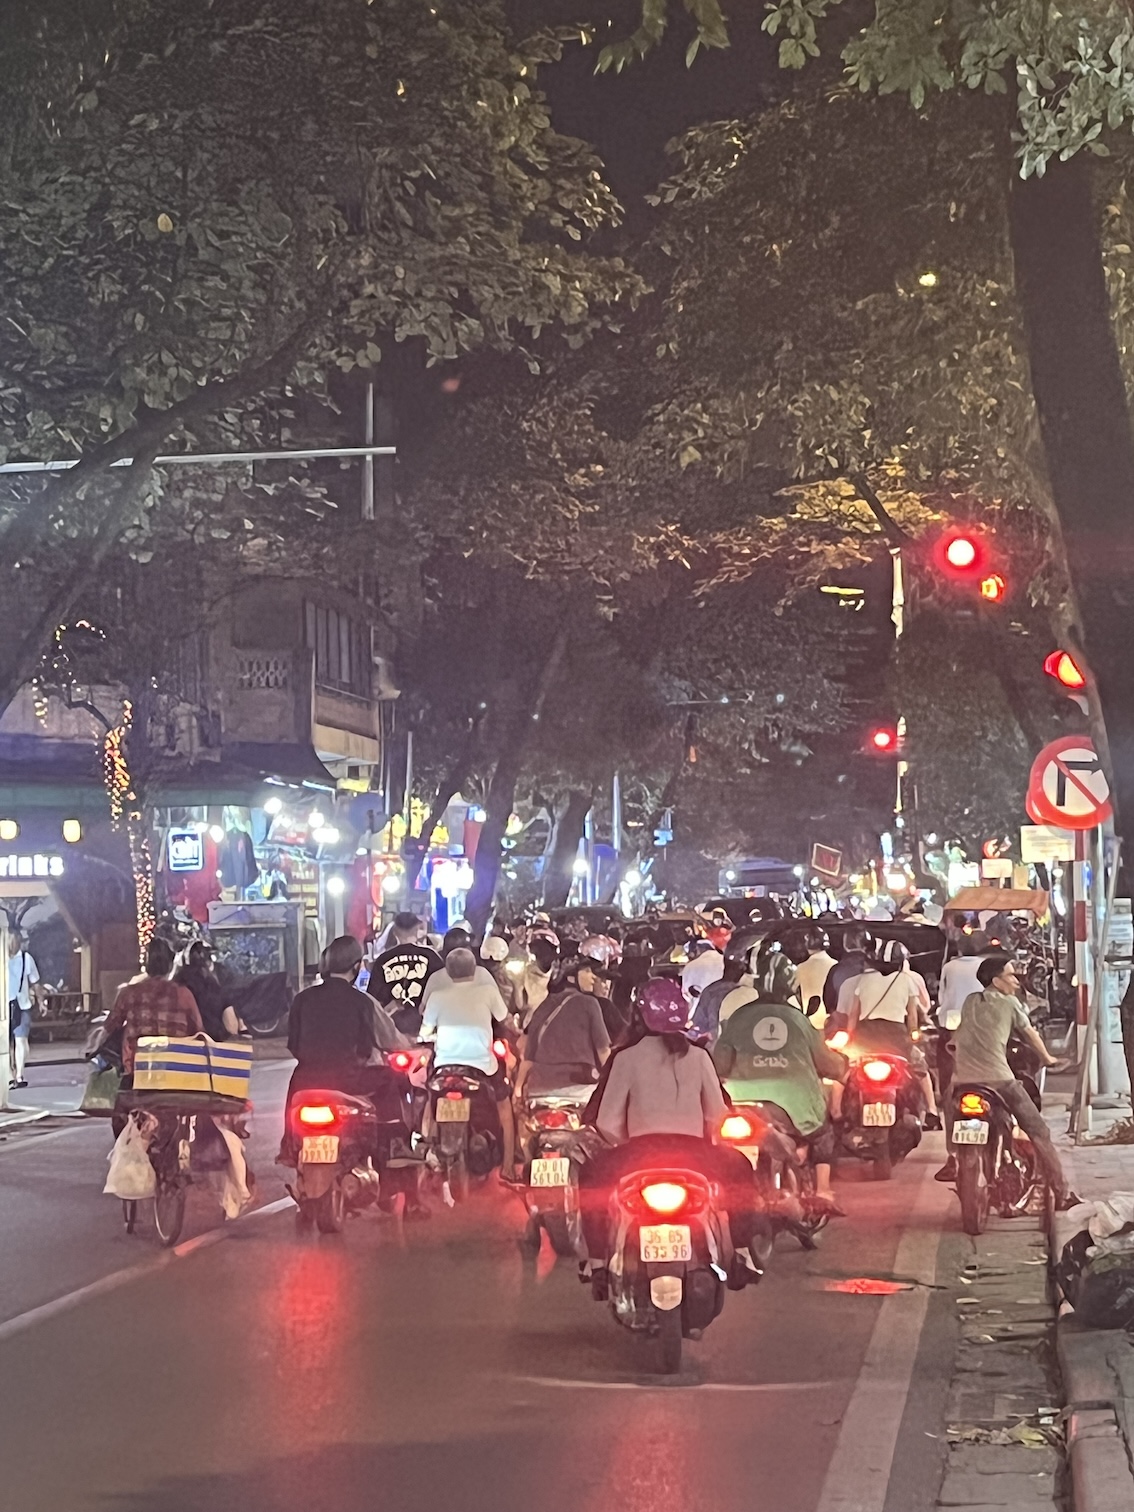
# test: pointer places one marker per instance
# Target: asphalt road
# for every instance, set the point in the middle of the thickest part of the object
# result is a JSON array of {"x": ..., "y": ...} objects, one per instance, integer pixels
[{"x": 431, "y": 1368}]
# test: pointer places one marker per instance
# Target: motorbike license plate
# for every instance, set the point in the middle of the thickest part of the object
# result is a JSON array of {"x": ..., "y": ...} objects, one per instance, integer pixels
[
  {"x": 665, "y": 1242},
  {"x": 320, "y": 1149},
  {"x": 878, "y": 1115},
  {"x": 453, "y": 1109},
  {"x": 970, "y": 1131},
  {"x": 550, "y": 1172}
]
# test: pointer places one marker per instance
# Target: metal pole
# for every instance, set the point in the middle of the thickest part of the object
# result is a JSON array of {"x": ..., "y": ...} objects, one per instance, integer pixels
[
  {"x": 368, "y": 462},
  {"x": 214, "y": 459},
  {"x": 409, "y": 781},
  {"x": 1083, "y": 1081},
  {"x": 5, "y": 1055}
]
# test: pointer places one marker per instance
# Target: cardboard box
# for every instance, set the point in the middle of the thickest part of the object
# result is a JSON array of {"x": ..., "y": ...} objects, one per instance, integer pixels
[{"x": 192, "y": 1065}]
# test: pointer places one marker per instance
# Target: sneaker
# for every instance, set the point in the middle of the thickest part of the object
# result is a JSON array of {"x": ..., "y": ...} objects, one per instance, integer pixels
[
  {"x": 933, "y": 1122},
  {"x": 948, "y": 1171}
]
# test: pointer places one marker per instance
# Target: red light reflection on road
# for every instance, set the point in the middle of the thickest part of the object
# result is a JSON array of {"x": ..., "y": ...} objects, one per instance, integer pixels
[
  {"x": 652, "y": 1459},
  {"x": 305, "y": 1314}
]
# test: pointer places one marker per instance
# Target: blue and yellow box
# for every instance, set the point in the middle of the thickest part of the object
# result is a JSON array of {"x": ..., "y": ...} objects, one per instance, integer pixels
[{"x": 192, "y": 1065}]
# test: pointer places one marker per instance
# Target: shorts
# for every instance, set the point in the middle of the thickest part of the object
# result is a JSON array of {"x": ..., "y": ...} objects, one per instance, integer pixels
[
  {"x": 497, "y": 1084},
  {"x": 19, "y": 1023}
]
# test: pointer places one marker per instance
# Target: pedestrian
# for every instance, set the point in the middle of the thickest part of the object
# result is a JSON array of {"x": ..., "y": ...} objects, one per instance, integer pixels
[
  {"x": 24, "y": 993},
  {"x": 199, "y": 976},
  {"x": 399, "y": 975},
  {"x": 989, "y": 1018}
]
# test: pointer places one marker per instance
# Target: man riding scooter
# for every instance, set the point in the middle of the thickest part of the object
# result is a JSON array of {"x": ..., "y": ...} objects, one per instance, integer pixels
[{"x": 769, "y": 1052}]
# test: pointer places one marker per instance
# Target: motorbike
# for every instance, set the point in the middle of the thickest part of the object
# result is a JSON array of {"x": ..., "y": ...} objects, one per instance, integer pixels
[
  {"x": 550, "y": 1137},
  {"x": 882, "y": 1109},
  {"x": 785, "y": 1176},
  {"x": 465, "y": 1126},
  {"x": 335, "y": 1136},
  {"x": 996, "y": 1163},
  {"x": 669, "y": 1257}
]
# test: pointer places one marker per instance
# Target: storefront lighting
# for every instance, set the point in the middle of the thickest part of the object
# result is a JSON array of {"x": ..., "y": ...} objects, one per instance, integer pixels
[
  {"x": 316, "y": 820},
  {"x": 9, "y": 829},
  {"x": 362, "y": 851},
  {"x": 326, "y": 834},
  {"x": 216, "y": 833},
  {"x": 582, "y": 866},
  {"x": 391, "y": 883},
  {"x": 798, "y": 870},
  {"x": 477, "y": 815},
  {"x": 896, "y": 881},
  {"x": 633, "y": 877},
  {"x": 72, "y": 831},
  {"x": 336, "y": 886},
  {"x": 273, "y": 805}
]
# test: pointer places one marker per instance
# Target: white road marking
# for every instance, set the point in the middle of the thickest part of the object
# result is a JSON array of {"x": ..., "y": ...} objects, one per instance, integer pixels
[
  {"x": 858, "y": 1476},
  {"x": 70, "y": 1300}
]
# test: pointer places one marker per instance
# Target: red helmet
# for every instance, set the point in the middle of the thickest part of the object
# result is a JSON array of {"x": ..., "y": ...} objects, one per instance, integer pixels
[
  {"x": 602, "y": 949},
  {"x": 663, "y": 1006}
]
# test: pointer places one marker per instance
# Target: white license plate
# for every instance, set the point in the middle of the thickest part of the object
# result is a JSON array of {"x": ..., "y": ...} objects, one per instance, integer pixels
[
  {"x": 665, "y": 1241},
  {"x": 878, "y": 1115},
  {"x": 453, "y": 1109},
  {"x": 320, "y": 1149},
  {"x": 550, "y": 1173},
  {"x": 970, "y": 1131}
]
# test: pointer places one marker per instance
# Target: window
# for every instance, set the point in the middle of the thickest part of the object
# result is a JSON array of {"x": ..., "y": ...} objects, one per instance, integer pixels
[{"x": 337, "y": 642}]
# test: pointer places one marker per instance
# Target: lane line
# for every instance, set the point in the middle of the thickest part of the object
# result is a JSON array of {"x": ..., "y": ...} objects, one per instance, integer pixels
[
  {"x": 858, "y": 1475},
  {"x": 70, "y": 1300}
]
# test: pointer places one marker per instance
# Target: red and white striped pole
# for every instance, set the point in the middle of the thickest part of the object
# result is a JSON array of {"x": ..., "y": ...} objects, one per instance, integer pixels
[{"x": 1081, "y": 935}]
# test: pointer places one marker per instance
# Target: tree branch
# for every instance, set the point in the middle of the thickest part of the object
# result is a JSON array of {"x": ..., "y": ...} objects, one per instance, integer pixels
[{"x": 892, "y": 530}]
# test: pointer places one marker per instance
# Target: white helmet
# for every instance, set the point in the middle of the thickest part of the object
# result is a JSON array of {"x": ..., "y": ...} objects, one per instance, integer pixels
[{"x": 495, "y": 948}]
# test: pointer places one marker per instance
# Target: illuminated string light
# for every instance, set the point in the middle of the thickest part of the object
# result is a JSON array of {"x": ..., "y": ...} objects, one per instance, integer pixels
[{"x": 123, "y": 801}]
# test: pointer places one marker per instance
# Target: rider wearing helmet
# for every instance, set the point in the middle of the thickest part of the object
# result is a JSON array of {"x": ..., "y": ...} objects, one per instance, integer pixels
[
  {"x": 770, "y": 1052},
  {"x": 812, "y": 972},
  {"x": 566, "y": 1042},
  {"x": 660, "y": 1100},
  {"x": 852, "y": 963},
  {"x": 884, "y": 1014},
  {"x": 719, "y": 931}
]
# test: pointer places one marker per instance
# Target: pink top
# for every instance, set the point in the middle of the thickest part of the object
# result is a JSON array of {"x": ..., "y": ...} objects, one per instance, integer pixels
[{"x": 652, "y": 1091}]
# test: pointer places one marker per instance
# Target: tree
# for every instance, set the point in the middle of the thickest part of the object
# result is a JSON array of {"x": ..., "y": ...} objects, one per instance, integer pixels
[{"x": 207, "y": 204}]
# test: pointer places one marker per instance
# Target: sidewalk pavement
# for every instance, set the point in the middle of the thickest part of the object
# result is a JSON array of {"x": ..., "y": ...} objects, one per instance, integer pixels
[{"x": 1097, "y": 1365}]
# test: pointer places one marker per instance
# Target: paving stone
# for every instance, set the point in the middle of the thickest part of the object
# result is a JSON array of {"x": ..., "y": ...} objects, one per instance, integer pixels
[
  {"x": 962, "y": 1488},
  {"x": 994, "y": 1459},
  {"x": 1028, "y": 1506}
]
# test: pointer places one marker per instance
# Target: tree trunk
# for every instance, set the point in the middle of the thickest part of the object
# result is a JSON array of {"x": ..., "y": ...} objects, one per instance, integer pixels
[
  {"x": 451, "y": 783},
  {"x": 502, "y": 789},
  {"x": 558, "y": 871},
  {"x": 1084, "y": 419}
]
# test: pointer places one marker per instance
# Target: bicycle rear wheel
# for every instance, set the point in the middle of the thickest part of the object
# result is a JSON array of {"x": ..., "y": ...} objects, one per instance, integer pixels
[{"x": 169, "y": 1212}]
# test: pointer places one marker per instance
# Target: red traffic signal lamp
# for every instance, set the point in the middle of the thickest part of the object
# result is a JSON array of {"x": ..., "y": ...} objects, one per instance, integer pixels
[
  {"x": 993, "y": 588},
  {"x": 882, "y": 740},
  {"x": 1066, "y": 670},
  {"x": 961, "y": 553}
]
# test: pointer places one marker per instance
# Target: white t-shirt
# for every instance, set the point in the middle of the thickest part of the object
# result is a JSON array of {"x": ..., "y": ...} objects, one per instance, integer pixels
[
  {"x": 462, "y": 1015},
  {"x": 885, "y": 997},
  {"x": 22, "y": 972},
  {"x": 701, "y": 970},
  {"x": 810, "y": 979},
  {"x": 958, "y": 981}
]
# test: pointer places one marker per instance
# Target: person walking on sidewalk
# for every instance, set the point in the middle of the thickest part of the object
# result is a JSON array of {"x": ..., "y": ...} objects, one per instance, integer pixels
[
  {"x": 988, "y": 1020},
  {"x": 23, "y": 985}
]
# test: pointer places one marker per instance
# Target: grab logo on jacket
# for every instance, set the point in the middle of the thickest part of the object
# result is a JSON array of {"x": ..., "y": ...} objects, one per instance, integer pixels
[{"x": 770, "y": 1034}]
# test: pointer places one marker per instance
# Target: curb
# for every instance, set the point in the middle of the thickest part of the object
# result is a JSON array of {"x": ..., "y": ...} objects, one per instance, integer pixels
[{"x": 1097, "y": 1408}]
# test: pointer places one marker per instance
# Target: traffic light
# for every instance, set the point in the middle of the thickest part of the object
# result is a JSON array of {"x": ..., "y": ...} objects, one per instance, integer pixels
[
  {"x": 1066, "y": 670},
  {"x": 882, "y": 740},
  {"x": 993, "y": 588},
  {"x": 964, "y": 557},
  {"x": 961, "y": 553}
]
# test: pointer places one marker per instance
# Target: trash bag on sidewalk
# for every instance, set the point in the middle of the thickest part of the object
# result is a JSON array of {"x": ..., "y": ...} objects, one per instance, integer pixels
[
  {"x": 131, "y": 1176},
  {"x": 1095, "y": 1270}
]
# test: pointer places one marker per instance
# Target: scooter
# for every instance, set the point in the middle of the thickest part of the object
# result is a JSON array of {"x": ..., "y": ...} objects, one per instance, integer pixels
[
  {"x": 669, "y": 1257},
  {"x": 785, "y": 1175},
  {"x": 465, "y": 1127},
  {"x": 996, "y": 1163},
  {"x": 335, "y": 1136},
  {"x": 552, "y": 1137},
  {"x": 882, "y": 1112}
]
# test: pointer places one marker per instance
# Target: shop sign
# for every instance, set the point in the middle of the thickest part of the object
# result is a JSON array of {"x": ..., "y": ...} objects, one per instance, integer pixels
[
  {"x": 1043, "y": 843},
  {"x": 186, "y": 850},
  {"x": 30, "y": 866}
]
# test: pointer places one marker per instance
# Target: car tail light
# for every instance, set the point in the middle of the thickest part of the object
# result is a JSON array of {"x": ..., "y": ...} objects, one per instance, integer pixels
[
  {"x": 316, "y": 1115},
  {"x": 736, "y": 1128},
  {"x": 455, "y": 1096},
  {"x": 839, "y": 1040},
  {"x": 400, "y": 1060},
  {"x": 500, "y": 1049},
  {"x": 877, "y": 1070},
  {"x": 973, "y": 1105},
  {"x": 665, "y": 1196}
]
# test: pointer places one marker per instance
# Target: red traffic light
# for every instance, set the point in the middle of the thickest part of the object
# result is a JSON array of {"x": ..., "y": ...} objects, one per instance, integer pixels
[
  {"x": 993, "y": 588},
  {"x": 1066, "y": 670},
  {"x": 885, "y": 738},
  {"x": 961, "y": 553}
]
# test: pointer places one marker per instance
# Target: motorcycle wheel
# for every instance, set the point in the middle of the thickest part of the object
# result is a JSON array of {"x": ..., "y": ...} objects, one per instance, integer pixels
[
  {"x": 330, "y": 1210},
  {"x": 972, "y": 1189},
  {"x": 169, "y": 1213},
  {"x": 559, "y": 1232},
  {"x": 304, "y": 1216},
  {"x": 883, "y": 1163},
  {"x": 459, "y": 1177},
  {"x": 670, "y": 1339},
  {"x": 129, "y": 1214}
]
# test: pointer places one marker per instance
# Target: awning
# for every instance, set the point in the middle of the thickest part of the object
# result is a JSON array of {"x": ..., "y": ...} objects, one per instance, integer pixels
[{"x": 1000, "y": 900}]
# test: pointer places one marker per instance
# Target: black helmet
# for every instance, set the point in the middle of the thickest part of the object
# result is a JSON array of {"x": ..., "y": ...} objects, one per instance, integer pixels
[
  {"x": 816, "y": 938},
  {"x": 892, "y": 955},
  {"x": 857, "y": 937},
  {"x": 776, "y": 981}
]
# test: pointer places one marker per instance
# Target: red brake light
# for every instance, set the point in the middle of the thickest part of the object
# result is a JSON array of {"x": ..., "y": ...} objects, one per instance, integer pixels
[
  {"x": 877, "y": 1070},
  {"x": 554, "y": 1118},
  {"x": 736, "y": 1128},
  {"x": 665, "y": 1196},
  {"x": 973, "y": 1105},
  {"x": 401, "y": 1060},
  {"x": 316, "y": 1115},
  {"x": 455, "y": 1096}
]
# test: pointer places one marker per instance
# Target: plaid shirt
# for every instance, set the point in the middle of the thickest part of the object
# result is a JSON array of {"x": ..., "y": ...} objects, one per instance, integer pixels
[{"x": 155, "y": 1005}]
